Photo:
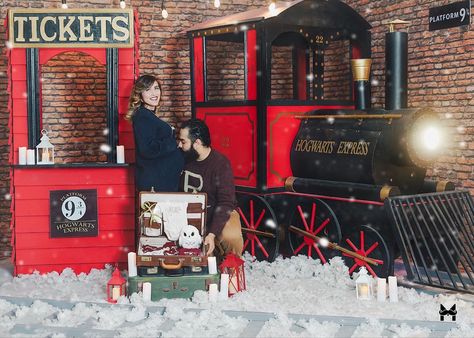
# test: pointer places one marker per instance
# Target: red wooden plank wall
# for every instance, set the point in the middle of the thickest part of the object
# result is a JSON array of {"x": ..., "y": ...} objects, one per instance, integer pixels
[{"x": 35, "y": 250}]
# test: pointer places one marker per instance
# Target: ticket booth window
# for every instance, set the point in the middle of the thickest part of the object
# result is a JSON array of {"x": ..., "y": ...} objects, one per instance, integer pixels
[
  {"x": 225, "y": 67},
  {"x": 101, "y": 140},
  {"x": 74, "y": 106}
]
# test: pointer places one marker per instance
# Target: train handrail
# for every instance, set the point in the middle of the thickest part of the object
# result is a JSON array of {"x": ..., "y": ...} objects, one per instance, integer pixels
[{"x": 354, "y": 116}]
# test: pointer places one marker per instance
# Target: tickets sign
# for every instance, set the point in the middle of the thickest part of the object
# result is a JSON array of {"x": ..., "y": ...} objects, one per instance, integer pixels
[{"x": 46, "y": 28}]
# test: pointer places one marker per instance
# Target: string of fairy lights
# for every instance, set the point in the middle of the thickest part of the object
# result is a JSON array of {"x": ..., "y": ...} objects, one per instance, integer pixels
[{"x": 164, "y": 11}]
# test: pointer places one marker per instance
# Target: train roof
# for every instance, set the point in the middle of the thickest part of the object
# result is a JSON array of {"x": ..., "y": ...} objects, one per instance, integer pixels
[{"x": 325, "y": 14}]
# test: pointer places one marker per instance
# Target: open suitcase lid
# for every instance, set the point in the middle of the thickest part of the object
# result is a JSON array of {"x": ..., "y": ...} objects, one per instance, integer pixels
[
  {"x": 196, "y": 204},
  {"x": 161, "y": 246}
]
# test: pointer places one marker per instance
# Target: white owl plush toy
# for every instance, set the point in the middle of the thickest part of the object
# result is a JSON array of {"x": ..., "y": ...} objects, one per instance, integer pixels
[{"x": 190, "y": 238}]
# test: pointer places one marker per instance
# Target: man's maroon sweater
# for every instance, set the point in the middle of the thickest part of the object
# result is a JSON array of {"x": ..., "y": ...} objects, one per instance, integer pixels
[{"x": 213, "y": 176}]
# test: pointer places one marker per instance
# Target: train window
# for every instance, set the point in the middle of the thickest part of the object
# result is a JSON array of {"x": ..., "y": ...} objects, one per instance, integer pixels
[
  {"x": 225, "y": 67},
  {"x": 74, "y": 107},
  {"x": 337, "y": 72},
  {"x": 289, "y": 67},
  {"x": 282, "y": 78}
]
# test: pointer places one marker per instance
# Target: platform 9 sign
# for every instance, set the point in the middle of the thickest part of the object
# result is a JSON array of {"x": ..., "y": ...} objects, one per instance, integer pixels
[
  {"x": 73, "y": 213},
  {"x": 452, "y": 15}
]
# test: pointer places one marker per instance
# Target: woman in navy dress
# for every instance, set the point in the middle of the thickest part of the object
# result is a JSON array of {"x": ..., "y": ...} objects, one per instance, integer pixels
[{"x": 159, "y": 162}]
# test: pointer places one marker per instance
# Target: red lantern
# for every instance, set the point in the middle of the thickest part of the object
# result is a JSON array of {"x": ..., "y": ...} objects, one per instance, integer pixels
[
  {"x": 116, "y": 287},
  {"x": 234, "y": 267}
]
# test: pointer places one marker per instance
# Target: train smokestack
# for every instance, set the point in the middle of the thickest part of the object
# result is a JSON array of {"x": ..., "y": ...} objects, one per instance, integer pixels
[
  {"x": 396, "y": 67},
  {"x": 361, "y": 77}
]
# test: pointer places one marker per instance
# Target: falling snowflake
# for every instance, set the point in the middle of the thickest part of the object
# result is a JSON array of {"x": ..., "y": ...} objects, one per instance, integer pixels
[
  {"x": 105, "y": 131},
  {"x": 109, "y": 191},
  {"x": 9, "y": 44},
  {"x": 105, "y": 148},
  {"x": 374, "y": 82},
  {"x": 8, "y": 197},
  {"x": 270, "y": 223},
  {"x": 323, "y": 241}
]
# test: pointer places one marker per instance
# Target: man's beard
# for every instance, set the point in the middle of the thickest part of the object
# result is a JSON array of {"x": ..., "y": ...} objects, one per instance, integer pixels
[{"x": 190, "y": 155}]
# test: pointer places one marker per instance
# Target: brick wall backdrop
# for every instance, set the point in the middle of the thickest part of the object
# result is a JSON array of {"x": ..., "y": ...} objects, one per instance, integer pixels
[
  {"x": 74, "y": 107},
  {"x": 440, "y": 65},
  {"x": 225, "y": 70}
]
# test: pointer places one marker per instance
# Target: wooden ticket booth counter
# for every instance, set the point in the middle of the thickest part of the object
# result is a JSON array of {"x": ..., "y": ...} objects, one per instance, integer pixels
[{"x": 79, "y": 211}]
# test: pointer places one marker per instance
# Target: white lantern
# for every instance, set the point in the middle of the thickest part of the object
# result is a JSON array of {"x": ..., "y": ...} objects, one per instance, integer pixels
[
  {"x": 364, "y": 285},
  {"x": 44, "y": 150}
]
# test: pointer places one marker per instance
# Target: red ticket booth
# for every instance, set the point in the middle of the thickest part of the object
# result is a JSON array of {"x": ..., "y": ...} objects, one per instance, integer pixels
[{"x": 74, "y": 213}]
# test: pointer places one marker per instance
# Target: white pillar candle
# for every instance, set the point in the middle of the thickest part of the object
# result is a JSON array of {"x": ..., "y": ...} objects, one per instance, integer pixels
[
  {"x": 213, "y": 293},
  {"x": 212, "y": 265},
  {"x": 132, "y": 264},
  {"x": 30, "y": 156},
  {"x": 120, "y": 154},
  {"x": 392, "y": 289},
  {"x": 147, "y": 291},
  {"x": 224, "y": 293},
  {"x": 22, "y": 155},
  {"x": 381, "y": 289},
  {"x": 116, "y": 292}
]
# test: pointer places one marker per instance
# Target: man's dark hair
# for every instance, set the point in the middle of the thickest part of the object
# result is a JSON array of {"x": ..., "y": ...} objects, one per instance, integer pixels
[{"x": 198, "y": 130}]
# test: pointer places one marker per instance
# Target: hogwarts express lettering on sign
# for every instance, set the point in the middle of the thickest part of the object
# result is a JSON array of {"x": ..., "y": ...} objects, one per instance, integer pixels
[
  {"x": 71, "y": 28},
  {"x": 73, "y": 213}
]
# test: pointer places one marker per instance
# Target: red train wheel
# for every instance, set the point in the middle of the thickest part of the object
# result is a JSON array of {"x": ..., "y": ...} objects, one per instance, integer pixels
[
  {"x": 369, "y": 243},
  {"x": 259, "y": 227},
  {"x": 317, "y": 218}
]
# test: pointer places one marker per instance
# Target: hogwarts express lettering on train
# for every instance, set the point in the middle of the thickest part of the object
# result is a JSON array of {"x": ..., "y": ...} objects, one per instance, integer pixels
[
  {"x": 327, "y": 147},
  {"x": 64, "y": 28}
]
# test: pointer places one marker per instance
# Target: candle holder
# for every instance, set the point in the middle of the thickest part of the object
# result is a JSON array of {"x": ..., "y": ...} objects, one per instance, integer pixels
[
  {"x": 234, "y": 267},
  {"x": 363, "y": 285},
  {"x": 44, "y": 150},
  {"x": 116, "y": 287}
]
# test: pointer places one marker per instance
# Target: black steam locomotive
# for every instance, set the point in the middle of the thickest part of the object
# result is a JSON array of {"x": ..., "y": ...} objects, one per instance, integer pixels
[{"x": 313, "y": 161}]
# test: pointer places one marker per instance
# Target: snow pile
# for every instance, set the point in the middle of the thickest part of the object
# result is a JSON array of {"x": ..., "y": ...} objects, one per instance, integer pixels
[
  {"x": 64, "y": 286},
  {"x": 295, "y": 285}
]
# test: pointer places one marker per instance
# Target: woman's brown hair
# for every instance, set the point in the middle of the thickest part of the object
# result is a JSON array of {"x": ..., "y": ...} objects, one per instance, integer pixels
[{"x": 141, "y": 84}]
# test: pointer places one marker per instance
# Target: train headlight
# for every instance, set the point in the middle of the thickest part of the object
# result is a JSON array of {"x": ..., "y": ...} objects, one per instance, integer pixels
[
  {"x": 431, "y": 138},
  {"x": 426, "y": 141}
]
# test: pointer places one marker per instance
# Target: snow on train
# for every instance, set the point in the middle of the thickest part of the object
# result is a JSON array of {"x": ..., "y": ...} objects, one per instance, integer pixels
[{"x": 311, "y": 158}]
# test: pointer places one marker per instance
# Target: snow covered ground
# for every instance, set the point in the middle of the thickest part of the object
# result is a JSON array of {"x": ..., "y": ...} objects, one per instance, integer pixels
[{"x": 295, "y": 285}]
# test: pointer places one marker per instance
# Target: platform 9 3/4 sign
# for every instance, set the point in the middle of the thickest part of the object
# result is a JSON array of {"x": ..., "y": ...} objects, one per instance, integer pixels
[{"x": 73, "y": 213}]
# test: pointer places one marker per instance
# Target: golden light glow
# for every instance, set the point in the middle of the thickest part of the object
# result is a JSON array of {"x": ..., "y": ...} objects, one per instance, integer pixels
[
  {"x": 427, "y": 140},
  {"x": 431, "y": 138}
]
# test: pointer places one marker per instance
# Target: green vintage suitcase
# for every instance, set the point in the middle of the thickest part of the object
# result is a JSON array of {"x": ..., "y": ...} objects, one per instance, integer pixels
[{"x": 172, "y": 287}]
